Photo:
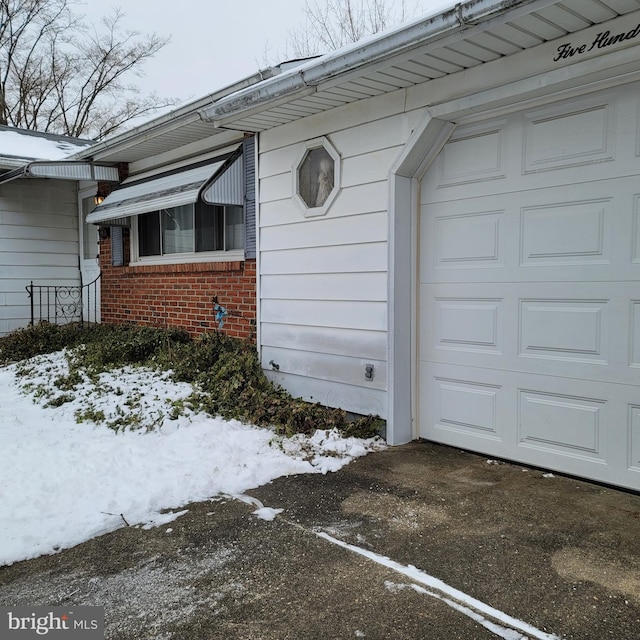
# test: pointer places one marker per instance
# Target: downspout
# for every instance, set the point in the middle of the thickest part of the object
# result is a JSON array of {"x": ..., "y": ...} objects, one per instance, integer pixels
[{"x": 256, "y": 151}]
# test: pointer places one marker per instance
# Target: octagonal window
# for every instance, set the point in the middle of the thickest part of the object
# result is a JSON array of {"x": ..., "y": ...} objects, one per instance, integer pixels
[{"x": 316, "y": 177}]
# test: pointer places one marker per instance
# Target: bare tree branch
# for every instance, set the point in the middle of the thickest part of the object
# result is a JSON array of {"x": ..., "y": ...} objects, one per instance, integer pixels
[
  {"x": 59, "y": 75},
  {"x": 333, "y": 24}
]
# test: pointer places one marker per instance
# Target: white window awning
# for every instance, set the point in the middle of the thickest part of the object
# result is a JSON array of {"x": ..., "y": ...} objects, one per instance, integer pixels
[
  {"x": 226, "y": 186},
  {"x": 62, "y": 170},
  {"x": 139, "y": 194}
]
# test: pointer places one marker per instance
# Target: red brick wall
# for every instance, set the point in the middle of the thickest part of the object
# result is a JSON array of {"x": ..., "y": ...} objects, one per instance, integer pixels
[{"x": 179, "y": 295}]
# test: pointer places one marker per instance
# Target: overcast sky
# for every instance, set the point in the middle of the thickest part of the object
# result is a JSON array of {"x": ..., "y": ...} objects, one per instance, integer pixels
[{"x": 213, "y": 42}]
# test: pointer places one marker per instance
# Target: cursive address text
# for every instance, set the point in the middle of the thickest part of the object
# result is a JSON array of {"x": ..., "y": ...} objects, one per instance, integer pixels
[{"x": 601, "y": 41}]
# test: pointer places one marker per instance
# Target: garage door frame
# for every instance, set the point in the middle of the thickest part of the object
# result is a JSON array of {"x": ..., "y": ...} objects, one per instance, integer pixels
[{"x": 416, "y": 158}]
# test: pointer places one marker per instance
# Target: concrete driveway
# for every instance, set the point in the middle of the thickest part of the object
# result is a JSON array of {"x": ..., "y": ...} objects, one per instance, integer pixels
[{"x": 418, "y": 541}]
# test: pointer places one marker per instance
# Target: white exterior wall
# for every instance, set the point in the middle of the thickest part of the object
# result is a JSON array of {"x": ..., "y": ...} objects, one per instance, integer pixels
[
  {"x": 320, "y": 322},
  {"x": 324, "y": 280},
  {"x": 38, "y": 242}
]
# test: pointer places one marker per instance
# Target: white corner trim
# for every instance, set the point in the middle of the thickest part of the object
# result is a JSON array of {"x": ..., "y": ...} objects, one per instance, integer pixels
[{"x": 416, "y": 156}]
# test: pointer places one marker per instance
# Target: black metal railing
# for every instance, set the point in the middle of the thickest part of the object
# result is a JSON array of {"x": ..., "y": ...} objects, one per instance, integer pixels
[{"x": 65, "y": 304}]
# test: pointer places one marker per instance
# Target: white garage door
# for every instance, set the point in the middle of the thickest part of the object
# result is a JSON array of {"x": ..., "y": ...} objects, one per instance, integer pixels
[{"x": 529, "y": 288}]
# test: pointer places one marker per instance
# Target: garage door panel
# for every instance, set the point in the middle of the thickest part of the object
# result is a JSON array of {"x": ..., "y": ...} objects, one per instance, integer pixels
[
  {"x": 574, "y": 233},
  {"x": 528, "y": 285},
  {"x": 469, "y": 237},
  {"x": 469, "y": 241},
  {"x": 580, "y": 140},
  {"x": 468, "y": 324},
  {"x": 548, "y": 233},
  {"x": 516, "y": 181},
  {"x": 569, "y": 425},
  {"x": 573, "y": 133},
  {"x": 465, "y": 406},
  {"x": 462, "y": 404},
  {"x": 596, "y": 442},
  {"x": 579, "y": 330},
  {"x": 582, "y": 428},
  {"x": 478, "y": 155},
  {"x": 566, "y": 330}
]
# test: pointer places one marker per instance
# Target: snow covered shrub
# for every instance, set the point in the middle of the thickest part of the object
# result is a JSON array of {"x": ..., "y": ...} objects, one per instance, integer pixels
[
  {"x": 225, "y": 373},
  {"x": 38, "y": 339}
]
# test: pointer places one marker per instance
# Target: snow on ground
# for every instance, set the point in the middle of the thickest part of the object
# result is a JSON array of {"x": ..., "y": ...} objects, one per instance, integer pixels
[{"x": 64, "y": 482}]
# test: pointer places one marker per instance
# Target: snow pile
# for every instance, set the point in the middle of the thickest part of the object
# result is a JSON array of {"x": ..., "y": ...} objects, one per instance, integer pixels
[{"x": 62, "y": 482}]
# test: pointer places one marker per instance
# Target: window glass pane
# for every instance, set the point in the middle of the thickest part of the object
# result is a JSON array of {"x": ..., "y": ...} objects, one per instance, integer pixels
[
  {"x": 209, "y": 227},
  {"x": 191, "y": 228},
  {"x": 315, "y": 177},
  {"x": 89, "y": 232},
  {"x": 177, "y": 229},
  {"x": 234, "y": 227},
  {"x": 149, "y": 234}
]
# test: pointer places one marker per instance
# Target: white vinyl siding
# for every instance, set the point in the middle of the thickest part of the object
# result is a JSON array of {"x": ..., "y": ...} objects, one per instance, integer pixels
[
  {"x": 323, "y": 283},
  {"x": 38, "y": 242}
]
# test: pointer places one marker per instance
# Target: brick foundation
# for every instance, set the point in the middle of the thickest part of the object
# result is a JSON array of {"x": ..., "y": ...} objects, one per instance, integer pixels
[{"x": 179, "y": 295}]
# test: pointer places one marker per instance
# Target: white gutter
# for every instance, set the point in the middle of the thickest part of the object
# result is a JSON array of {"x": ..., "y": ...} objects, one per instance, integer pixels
[{"x": 461, "y": 17}]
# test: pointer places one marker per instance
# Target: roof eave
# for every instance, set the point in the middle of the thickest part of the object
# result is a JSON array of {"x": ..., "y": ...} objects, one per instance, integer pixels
[
  {"x": 171, "y": 121},
  {"x": 452, "y": 22}
]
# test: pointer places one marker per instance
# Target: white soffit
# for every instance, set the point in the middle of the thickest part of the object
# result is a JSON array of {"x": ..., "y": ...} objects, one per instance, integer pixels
[{"x": 507, "y": 28}]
